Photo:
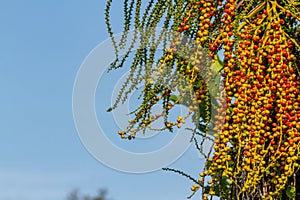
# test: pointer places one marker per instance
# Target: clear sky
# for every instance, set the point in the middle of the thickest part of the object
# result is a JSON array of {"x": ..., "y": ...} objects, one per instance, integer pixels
[{"x": 42, "y": 46}]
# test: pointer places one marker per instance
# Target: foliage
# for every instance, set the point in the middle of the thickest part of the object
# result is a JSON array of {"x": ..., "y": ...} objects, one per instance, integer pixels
[
  {"x": 256, "y": 145},
  {"x": 74, "y": 195}
]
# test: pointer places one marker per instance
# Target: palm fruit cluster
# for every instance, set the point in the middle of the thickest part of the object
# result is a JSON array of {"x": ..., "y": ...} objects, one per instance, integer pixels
[
  {"x": 181, "y": 74},
  {"x": 255, "y": 154},
  {"x": 257, "y": 150}
]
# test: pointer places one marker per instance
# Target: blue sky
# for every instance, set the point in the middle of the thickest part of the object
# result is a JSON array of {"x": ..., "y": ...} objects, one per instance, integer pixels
[{"x": 42, "y": 46}]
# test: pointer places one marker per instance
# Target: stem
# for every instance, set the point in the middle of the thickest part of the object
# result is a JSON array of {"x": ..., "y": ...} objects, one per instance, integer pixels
[{"x": 239, "y": 4}]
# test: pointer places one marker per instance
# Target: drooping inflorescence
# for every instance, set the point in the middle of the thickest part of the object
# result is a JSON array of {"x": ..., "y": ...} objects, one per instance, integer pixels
[{"x": 255, "y": 46}]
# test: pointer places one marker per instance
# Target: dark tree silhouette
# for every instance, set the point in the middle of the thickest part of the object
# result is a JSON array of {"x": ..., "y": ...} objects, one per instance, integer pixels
[{"x": 75, "y": 195}]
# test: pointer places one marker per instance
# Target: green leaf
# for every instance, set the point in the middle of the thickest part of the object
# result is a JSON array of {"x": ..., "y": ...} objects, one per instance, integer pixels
[
  {"x": 291, "y": 192},
  {"x": 214, "y": 83},
  {"x": 206, "y": 189},
  {"x": 173, "y": 98},
  {"x": 220, "y": 62},
  {"x": 208, "y": 164}
]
